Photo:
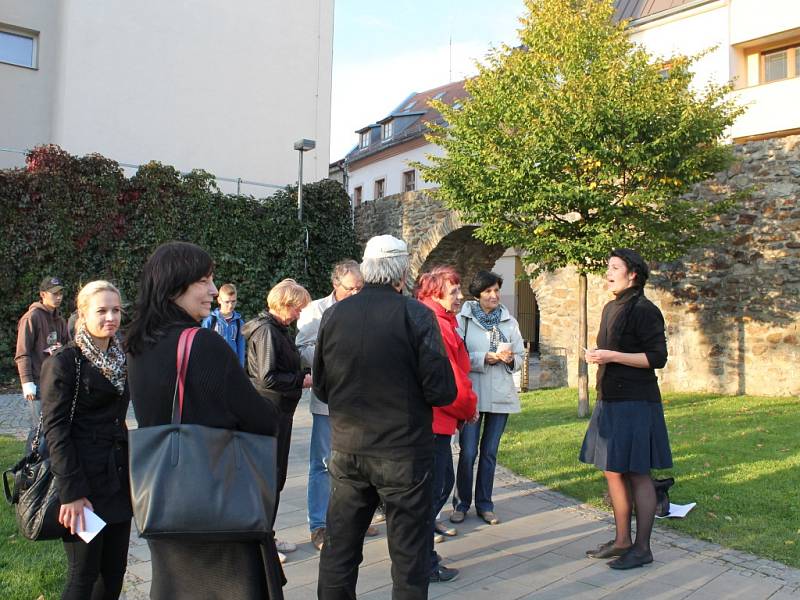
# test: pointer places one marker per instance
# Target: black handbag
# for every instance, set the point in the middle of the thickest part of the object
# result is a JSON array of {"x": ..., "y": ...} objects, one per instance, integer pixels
[
  {"x": 198, "y": 483},
  {"x": 30, "y": 485}
]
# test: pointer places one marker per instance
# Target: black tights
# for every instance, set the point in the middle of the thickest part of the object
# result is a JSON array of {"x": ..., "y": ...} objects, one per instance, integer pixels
[
  {"x": 95, "y": 570},
  {"x": 629, "y": 490}
]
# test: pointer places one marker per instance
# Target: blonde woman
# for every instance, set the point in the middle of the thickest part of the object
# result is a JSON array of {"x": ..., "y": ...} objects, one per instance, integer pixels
[
  {"x": 89, "y": 444},
  {"x": 273, "y": 365}
]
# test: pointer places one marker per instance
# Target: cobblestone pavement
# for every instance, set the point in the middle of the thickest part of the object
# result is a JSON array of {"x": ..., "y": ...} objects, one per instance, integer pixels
[{"x": 536, "y": 552}]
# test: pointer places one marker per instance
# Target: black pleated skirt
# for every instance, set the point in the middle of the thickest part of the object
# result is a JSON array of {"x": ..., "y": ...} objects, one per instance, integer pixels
[{"x": 627, "y": 436}]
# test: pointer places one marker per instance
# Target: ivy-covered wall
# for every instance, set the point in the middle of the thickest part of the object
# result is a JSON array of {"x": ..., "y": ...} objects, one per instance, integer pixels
[{"x": 82, "y": 219}]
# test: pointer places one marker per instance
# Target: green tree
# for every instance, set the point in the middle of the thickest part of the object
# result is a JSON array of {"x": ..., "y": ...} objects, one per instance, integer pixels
[{"x": 578, "y": 142}]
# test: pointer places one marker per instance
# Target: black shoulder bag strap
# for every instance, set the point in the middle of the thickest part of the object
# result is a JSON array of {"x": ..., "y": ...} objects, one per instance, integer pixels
[{"x": 38, "y": 435}]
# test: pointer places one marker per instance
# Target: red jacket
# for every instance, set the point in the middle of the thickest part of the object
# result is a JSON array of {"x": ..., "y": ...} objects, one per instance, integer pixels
[{"x": 446, "y": 418}]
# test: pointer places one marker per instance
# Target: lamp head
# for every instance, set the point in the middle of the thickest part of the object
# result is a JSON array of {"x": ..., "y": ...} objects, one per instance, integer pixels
[{"x": 305, "y": 145}]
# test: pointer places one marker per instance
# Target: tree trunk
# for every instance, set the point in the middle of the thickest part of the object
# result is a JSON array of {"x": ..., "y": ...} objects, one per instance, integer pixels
[{"x": 583, "y": 368}]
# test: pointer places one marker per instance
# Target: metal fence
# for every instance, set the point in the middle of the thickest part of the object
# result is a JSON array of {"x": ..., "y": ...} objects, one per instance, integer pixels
[{"x": 225, "y": 184}]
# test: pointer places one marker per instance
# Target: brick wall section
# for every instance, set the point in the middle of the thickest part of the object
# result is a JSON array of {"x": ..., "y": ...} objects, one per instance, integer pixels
[{"x": 732, "y": 310}]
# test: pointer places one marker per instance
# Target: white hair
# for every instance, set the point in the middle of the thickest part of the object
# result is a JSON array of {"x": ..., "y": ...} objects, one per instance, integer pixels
[{"x": 386, "y": 271}]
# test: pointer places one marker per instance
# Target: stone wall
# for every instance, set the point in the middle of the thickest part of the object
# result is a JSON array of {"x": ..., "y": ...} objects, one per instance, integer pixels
[
  {"x": 434, "y": 234},
  {"x": 732, "y": 310}
]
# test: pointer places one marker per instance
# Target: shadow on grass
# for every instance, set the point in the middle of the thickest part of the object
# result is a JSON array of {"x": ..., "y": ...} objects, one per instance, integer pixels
[{"x": 735, "y": 456}]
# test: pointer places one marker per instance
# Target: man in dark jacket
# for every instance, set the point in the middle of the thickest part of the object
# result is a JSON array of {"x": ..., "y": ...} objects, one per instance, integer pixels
[
  {"x": 40, "y": 332},
  {"x": 381, "y": 366}
]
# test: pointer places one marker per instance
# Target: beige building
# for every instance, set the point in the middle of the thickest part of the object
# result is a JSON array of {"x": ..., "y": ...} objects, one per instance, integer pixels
[
  {"x": 223, "y": 86},
  {"x": 755, "y": 43}
]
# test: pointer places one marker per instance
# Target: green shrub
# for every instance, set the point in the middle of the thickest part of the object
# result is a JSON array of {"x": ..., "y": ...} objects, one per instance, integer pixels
[{"x": 82, "y": 219}]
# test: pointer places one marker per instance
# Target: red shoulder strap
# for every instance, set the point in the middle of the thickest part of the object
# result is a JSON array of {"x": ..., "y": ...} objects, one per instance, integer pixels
[{"x": 185, "y": 342}]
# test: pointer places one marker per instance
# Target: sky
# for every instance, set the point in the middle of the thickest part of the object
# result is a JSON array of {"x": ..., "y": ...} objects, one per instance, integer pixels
[{"x": 383, "y": 51}]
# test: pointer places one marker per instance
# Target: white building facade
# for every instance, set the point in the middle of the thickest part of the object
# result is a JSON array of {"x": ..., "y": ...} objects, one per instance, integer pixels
[
  {"x": 754, "y": 43},
  {"x": 221, "y": 86}
]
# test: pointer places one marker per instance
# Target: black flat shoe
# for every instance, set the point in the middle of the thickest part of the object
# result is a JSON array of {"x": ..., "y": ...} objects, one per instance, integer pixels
[
  {"x": 632, "y": 559},
  {"x": 607, "y": 550}
]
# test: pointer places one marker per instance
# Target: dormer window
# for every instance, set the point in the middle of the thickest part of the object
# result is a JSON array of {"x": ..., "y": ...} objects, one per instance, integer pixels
[
  {"x": 386, "y": 131},
  {"x": 439, "y": 96},
  {"x": 364, "y": 140}
]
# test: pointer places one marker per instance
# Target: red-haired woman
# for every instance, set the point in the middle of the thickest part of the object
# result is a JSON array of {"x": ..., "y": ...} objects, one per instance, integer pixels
[{"x": 440, "y": 291}]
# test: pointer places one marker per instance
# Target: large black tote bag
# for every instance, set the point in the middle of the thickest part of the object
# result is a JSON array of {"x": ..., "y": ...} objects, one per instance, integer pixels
[{"x": 197, "y": 483}]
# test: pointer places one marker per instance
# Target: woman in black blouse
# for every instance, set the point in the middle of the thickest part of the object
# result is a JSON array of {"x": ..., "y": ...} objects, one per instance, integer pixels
[
  {"x": 176, "y": 292},
  {"x": 89, "y": 448},
  {"x": 627, "y": 435}
]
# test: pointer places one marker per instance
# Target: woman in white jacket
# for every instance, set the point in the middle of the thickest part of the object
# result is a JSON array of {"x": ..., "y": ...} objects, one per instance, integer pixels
[{"x": 495, "y": 347}]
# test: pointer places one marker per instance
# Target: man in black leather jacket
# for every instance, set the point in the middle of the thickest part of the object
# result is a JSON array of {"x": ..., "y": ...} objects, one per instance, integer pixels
[{"x": 381, "y": 366}]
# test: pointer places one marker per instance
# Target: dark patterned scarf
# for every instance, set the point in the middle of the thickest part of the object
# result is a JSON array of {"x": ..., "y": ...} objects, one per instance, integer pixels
[
  {"x": 490, "y": 322},
  {"x": 110, "y": 363}
]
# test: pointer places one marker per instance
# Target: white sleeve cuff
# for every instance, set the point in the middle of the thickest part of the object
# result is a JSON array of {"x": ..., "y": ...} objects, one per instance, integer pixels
[{"x": 28, "y": 388}]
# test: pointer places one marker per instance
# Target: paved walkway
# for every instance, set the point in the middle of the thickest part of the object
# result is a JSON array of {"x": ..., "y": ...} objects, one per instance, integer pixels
[{"x": 536, "y": 552}]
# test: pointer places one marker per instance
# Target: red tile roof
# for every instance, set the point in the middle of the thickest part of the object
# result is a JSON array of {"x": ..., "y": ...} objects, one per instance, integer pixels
[{"x": 416, "y": 106}]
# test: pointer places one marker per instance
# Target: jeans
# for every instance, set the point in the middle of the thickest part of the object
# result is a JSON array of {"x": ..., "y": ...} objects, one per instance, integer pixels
[
  {"x": 443, "y": 479},
  {"x": 358, "y": 483},
  {"x": 493, "y": 426},
  {"x": 35, "y": 411},
  {"x": 443, "y": 475},
  {"x": 319, "y": 484},
  {"x": 95, "y": 570}
]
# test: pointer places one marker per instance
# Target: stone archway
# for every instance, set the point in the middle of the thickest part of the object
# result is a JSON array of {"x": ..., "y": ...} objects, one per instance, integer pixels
[{"x": 458, "y": 248}]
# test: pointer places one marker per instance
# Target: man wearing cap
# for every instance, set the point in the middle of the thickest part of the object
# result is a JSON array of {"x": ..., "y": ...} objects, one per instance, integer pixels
[
  {"x": 381, "y": 366},
  {"x": 346, "y": 280},
  {"x": 40, "y": 332}
]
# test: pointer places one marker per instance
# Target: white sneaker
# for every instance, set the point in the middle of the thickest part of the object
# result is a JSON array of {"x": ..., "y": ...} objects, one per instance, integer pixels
[
  {"x": 284, "y": 546},
  {"x": 281, "y": 557}
]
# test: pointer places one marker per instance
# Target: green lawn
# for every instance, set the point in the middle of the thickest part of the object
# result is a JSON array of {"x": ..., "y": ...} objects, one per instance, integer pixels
[
  {"x": 738, "y": 457},
  {"x": 28, "y": 569}
]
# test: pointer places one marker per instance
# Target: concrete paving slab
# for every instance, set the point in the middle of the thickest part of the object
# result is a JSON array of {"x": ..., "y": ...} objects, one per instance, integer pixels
[{"x": 536, "y": 552}]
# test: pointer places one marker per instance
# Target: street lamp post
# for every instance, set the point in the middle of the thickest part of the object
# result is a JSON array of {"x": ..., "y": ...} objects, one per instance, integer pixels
[{"x": 301, "y": 146}]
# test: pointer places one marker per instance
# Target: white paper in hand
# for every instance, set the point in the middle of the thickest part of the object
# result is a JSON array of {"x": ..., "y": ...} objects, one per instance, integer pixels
[{"x": 93, "y": 523}]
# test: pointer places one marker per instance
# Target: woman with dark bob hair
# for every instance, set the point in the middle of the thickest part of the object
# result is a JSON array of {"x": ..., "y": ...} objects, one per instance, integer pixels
[
  {"x": 176, "y": 292},
  {"x": 627, "y": 435},
  {"x": 494, "y": 343}
]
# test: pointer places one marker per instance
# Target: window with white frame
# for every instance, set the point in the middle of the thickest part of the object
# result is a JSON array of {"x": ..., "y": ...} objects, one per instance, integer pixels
[
  {"x": 364, "y": 140},
  {"x": 386, "y": 131},
  {"x": 380, "y": 188},
  {"x": 409, "y": 180},
  {"x": 18, "y": 47}
]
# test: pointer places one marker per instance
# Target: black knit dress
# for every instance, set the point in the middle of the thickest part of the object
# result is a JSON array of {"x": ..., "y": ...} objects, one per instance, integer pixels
[
  {"x": 627, "y": 431},
  {"x": 218, "y": 394}
]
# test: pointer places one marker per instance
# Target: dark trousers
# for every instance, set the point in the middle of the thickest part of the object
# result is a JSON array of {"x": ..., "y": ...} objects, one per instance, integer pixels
[
  {"x": 95, "y": 570},
  {"x": 284, "y": 442},
  {"x": 443, "y": 479},
  {"x": 470, "y": 440},
  {"x": 358, "y": 484}
]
